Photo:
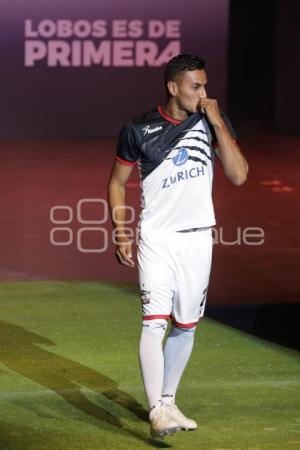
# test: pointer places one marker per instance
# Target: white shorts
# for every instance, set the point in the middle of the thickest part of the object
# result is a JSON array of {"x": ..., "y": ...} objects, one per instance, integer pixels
[{"x": 174, "y": 271}]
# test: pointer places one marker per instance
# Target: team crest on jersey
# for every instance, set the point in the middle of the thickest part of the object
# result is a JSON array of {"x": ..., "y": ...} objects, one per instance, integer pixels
[
  {"x": 145, "y": 296},
  {"x": 181, "y": 157}
]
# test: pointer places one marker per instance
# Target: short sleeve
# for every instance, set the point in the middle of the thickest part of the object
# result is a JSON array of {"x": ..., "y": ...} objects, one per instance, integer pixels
[
  {"x": 127, "y": 147},
  {"x": 229, "y": 127}
]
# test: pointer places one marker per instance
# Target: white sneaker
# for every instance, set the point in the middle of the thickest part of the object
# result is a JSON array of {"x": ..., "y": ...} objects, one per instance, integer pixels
[
  {"x": 180, "y": 418},
  {"x": 161, "y": 424}
]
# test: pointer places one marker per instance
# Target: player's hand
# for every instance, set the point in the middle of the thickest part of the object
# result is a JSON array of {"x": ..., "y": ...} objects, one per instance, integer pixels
[
  {"x": 124, "y": 251},
  {"x": 210, "y": 107}
]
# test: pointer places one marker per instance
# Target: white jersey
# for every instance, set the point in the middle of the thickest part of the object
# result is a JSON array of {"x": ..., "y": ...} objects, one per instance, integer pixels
[{"x": 175, "y": 161}]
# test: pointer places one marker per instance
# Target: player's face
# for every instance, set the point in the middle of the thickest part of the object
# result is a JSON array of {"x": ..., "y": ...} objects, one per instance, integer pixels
[{"x": 190, "y": 88}]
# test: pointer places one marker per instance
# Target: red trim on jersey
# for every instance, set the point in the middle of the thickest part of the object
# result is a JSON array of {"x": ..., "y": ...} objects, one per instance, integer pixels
[
  {"x": 183, "y": 325},
  {"x": 165, "y": 116},
  {"x": 123, "y": 161},
  {"x": 157, "y": 316}
]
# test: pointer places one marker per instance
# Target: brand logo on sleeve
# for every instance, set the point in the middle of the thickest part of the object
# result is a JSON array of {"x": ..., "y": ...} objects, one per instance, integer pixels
[{"x": 148, "y": 130}]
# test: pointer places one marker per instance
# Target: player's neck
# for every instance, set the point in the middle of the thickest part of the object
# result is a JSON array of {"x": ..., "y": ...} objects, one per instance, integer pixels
[{"x": 171, "y": 109}]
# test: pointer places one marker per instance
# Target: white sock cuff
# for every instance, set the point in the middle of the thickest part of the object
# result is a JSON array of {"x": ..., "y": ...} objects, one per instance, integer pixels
[
  {"x": 156, "y": 326},
  {"x": 189, "y": 332}
]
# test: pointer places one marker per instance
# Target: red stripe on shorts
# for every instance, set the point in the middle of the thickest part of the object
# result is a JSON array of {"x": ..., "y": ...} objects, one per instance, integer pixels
[
  {"x": 157, "y": 316},
  {"x": 183, "y": 325}
]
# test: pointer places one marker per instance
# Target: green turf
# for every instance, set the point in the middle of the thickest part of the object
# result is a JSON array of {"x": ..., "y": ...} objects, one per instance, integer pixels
[{"x": 70, "y": 376}]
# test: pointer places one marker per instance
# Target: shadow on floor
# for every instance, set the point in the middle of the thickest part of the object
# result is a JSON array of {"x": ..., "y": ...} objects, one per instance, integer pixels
[{"x": 20, "y": 351}]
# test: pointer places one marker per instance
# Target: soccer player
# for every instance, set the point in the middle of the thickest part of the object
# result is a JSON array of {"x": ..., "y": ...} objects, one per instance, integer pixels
[{"x": 174, "y": 146}]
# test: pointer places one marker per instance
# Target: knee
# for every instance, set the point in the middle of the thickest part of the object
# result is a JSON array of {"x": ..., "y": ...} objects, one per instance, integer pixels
[{"x": 157, "y": 327}]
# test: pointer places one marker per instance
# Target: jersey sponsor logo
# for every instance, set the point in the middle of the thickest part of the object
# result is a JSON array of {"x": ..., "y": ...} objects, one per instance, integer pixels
[
  {"x": 194, "y": 172},
  {"x": 148, "y": 130},
  {"x": 181, "y": 157}
]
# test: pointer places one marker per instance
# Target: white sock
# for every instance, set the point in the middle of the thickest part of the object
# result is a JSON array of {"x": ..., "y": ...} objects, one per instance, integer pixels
[
  {"x": 177, "y": 352},
  {"x": 152, "y": 358}
]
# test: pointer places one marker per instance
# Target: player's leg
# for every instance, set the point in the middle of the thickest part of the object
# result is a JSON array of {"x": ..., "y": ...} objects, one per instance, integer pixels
[
  {"x": 156, "y": 296},
  {"x": 152, "y": 367},
  {"x": 152, "y": 358},
  {"x": 193, "y": 270},
  {"x": 177, "y": 352}
]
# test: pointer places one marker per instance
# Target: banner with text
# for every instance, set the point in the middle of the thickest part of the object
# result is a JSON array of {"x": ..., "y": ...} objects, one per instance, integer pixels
[{"x": 80, "y": 69}]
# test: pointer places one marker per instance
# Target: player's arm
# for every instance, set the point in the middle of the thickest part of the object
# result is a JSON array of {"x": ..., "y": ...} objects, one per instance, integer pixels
[
  {"x": 116, "y": 198},
  {"x": 234, "y": 163}
]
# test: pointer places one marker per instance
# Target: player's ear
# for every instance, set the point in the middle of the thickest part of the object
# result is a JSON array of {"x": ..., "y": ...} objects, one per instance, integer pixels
[{"x": 172, "y": 88}]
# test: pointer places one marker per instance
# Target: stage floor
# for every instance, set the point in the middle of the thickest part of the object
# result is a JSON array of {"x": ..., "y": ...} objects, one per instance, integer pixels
[{"x": 70, "y": 377}]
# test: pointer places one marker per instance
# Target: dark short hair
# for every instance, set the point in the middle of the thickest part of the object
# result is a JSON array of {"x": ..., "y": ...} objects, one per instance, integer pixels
[{"x": 181, "y": 63}]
